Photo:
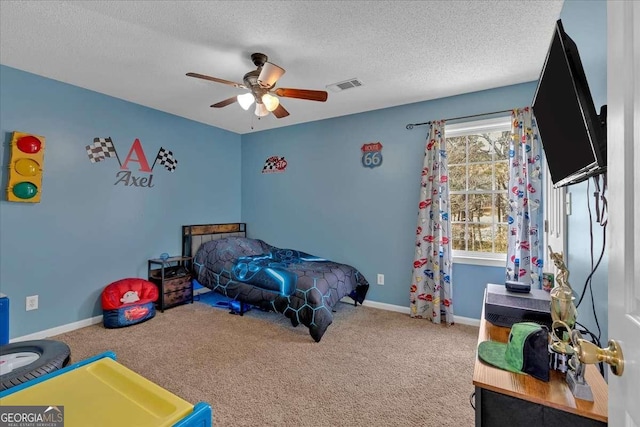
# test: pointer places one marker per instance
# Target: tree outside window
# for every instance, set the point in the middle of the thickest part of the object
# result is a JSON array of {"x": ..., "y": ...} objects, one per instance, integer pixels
[{"x": 478, "y": 177}]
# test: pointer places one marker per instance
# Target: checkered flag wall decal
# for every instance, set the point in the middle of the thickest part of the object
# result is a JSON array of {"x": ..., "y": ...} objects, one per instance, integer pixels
[
  {"x": 101, "y": 149},
  {"x": 274, "y": 164},
  {"x": 166, "y": 159}
]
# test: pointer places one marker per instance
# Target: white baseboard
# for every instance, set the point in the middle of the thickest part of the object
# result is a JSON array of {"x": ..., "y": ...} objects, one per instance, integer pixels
[
  {"x": 466, "y": 321},
  {"x": 75, "y": 325},
  {"x": 59, "y": 329},
  {"x": 400, "y": 309},
  {"x": 385, "y": 306},
  {"x": 97, "y": 319}
]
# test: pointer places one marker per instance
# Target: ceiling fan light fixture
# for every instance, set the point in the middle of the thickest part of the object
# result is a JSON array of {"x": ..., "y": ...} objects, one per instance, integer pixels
[
  {"x": 270, "y": 102},
  {"x": 261, "y": 110},
  {"x": 245, "y": 100},
  {"x": 260, "y": 84},
  {"x": 269, "y": 75}
]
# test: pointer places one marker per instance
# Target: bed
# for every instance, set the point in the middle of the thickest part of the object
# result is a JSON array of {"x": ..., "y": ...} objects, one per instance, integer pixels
[{"x": 303, "y": 287}]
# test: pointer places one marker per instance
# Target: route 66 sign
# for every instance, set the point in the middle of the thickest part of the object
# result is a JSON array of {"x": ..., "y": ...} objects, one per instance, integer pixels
[{"x": 371, "y": 155}]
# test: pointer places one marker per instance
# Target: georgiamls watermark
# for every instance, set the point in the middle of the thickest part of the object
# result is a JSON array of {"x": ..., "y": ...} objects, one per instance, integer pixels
[{"x": 31, "y": 416}]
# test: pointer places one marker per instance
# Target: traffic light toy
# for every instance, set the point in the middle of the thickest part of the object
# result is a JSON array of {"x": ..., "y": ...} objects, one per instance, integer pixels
[{"x": 25, "y": 168}]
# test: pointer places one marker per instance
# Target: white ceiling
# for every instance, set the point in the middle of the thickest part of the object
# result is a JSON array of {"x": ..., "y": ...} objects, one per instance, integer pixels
[{"x": 402, "y": 51}]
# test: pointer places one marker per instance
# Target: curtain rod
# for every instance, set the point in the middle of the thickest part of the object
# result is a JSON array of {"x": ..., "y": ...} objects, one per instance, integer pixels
[{"x": 411, "y": 125}]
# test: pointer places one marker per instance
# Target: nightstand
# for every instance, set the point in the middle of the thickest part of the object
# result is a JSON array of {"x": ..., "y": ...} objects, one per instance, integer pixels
[{"x": 173, "y": 279}]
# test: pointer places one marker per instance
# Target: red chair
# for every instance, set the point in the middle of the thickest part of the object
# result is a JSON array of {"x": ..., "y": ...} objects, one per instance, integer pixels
[{"x": 127, "y": 302}]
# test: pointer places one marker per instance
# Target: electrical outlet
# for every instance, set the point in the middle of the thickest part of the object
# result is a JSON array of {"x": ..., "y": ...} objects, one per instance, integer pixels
[
  {"x": 380, "y": 279},
  {"x": 32, "y": 302}
]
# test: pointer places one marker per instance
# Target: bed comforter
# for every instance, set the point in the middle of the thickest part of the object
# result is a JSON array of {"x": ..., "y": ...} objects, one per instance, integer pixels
[{"x": 303, "y": 287}]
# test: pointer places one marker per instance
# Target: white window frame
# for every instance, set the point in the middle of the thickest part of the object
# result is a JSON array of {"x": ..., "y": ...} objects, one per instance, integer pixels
[{"x": 502, "y": 123}]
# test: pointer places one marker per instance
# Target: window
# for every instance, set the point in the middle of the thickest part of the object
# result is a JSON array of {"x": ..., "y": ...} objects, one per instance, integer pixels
[{"x": 478, "y": 158}]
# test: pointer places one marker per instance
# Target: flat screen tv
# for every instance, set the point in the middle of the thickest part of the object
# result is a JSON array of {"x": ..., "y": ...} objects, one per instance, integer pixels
[{"x": 573, "y": 135}]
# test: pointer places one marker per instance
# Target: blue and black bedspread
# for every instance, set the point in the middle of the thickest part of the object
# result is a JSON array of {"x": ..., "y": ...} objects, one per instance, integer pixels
[{"x": 303, "y": 287}]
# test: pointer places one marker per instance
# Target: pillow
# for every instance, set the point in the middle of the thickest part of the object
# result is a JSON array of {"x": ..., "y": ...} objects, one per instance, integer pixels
[{"x": 236, "y": 246}]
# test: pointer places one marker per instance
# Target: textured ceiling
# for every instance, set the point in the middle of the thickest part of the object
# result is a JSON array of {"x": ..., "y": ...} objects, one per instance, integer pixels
[{"x": 402, "y": 51}]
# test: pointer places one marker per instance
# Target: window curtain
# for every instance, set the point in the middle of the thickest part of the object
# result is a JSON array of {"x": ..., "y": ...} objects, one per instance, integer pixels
[
  {"x": 524, "y": 255},
  {"x": 430, "y": 293}
]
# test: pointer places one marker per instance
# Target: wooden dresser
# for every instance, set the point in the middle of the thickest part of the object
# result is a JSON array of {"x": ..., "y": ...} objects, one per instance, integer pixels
[{"x": 505, "y": 398}]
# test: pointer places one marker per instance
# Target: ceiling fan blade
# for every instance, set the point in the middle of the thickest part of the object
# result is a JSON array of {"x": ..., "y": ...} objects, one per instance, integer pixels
[
  {"x": 226, "y": 102},
  {"x": 217, "y": 80},
  {"x": 311, "y": 95},
  {"x": 280, "y": 112}
]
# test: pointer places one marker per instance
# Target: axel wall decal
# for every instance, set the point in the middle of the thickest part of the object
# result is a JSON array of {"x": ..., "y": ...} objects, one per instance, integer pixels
[{"x": 103, "y": 148}]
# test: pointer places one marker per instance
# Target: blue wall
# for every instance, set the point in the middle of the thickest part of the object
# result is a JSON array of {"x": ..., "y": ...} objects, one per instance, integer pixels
[
  {"x": 328, "y": 204},
  {"x": 88, "y": 232},
  {"x": 586, "y": 24}
]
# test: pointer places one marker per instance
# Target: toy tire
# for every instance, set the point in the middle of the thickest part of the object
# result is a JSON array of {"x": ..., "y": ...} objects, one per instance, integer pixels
[{"x": 51, "y": 356}]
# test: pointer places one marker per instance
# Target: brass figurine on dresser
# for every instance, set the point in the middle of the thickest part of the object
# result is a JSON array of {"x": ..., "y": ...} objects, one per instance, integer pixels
[
  {"x": 562, "y": 306},
  {"x": 570, "y": 342}
]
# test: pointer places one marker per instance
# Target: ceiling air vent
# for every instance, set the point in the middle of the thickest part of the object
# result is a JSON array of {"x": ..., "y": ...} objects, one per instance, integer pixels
[{"x": 347, "y": 84}]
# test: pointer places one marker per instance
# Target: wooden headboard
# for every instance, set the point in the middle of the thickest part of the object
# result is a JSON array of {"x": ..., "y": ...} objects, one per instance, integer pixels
[{"x": 194, "y": 235}]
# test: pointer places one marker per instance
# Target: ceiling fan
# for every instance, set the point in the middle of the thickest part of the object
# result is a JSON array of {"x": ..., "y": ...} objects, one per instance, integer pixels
[{"x": 261, "y": 85}]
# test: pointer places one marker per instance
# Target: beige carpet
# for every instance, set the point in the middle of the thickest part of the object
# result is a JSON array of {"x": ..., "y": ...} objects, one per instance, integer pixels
[{"x": 372, "y": 368}]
